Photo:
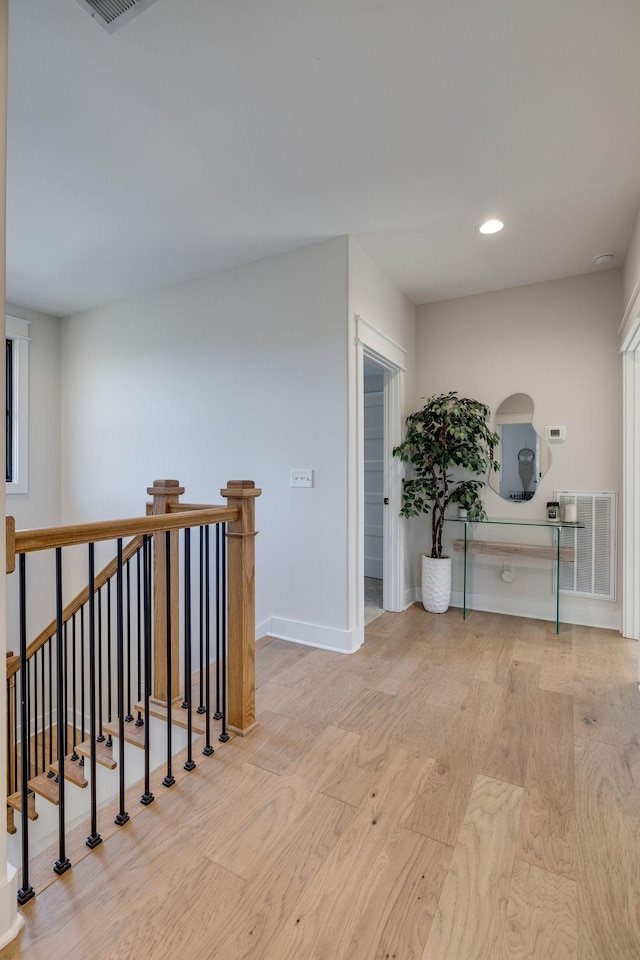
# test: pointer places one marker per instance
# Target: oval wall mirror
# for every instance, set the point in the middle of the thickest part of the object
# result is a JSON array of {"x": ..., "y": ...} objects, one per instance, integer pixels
[{"x": 523, "y": 455}]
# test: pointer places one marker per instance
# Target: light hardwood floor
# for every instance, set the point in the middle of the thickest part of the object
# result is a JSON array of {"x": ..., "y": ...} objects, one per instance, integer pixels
[{"x": 453, "y": 791}]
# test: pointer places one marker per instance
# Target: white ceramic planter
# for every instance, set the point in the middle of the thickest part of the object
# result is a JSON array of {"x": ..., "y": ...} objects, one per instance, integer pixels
[{"x": 436, "y": 584}]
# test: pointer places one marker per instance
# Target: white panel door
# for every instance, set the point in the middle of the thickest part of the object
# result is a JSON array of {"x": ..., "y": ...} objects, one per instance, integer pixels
[{"x": 373, "y": 483}]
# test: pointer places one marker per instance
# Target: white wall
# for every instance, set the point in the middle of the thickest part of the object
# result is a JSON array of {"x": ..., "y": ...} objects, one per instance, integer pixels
[
  {"x": 558, "y": 342},
  {"x": 40, "y": 507},
  {"x": 631, "y": 270},
  {"x": 241, "y": 375},
  {"x": 375, "y": 297}
]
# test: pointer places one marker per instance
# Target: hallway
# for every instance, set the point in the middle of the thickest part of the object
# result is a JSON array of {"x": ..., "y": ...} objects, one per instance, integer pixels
[{"x": 459, "y": 790}]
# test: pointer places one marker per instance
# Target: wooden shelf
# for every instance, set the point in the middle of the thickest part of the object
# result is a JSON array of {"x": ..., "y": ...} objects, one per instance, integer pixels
[{"x": 495, "y": 548}]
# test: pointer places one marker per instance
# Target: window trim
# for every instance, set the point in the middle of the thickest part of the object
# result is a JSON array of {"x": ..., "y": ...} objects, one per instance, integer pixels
[{"x": 18, "y": 331}]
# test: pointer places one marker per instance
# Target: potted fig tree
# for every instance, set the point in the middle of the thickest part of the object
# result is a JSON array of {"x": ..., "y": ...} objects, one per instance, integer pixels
[{"x": 450, "y": 447}]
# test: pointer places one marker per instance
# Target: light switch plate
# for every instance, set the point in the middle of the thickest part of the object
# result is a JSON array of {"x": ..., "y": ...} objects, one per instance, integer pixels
[{"x": 301, "y": 478}]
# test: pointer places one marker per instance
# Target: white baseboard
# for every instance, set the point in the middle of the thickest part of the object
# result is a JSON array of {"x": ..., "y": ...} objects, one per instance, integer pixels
[
  {"x": 263, "y": 629},
  {"x": 411, "y": 595},
  {"x": 574, "y": 611},
  {"x": 571, "y": 611},
  {"x": 312, "y": 635},
  {"x": 578, "y": 612}
]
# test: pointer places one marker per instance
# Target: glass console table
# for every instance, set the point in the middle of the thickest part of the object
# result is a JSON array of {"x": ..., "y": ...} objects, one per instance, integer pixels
[{"x": 537, "y": 551}]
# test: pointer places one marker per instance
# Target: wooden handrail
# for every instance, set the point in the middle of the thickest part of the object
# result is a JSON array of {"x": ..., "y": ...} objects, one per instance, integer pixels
[
  {"x": 48, "y": 538},
  {"x": 13, "y": 662},
  {"x": 167, "y": 514},
  {"x": 188, "y": 507}
]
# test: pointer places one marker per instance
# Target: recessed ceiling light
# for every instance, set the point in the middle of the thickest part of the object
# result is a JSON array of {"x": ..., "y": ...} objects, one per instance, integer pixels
[
  {"x": 490, "y": 226},
  {"x": 603, "y": 259}
]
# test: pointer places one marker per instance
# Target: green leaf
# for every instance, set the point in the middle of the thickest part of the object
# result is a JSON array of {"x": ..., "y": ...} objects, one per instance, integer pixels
[{"x": 449, "y": 431}]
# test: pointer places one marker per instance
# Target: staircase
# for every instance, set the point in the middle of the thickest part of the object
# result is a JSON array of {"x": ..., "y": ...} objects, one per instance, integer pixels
[{"x": 112, "y": 663}]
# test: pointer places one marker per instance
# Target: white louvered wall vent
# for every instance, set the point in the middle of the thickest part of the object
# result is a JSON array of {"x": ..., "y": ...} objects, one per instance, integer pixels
[
  {"x": 113, "y": 14},
  {"x": 594, "y": 572}
]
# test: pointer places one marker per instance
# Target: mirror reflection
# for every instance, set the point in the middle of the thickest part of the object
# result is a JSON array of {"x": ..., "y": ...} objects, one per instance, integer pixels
[{"x": 523, "y": 455}]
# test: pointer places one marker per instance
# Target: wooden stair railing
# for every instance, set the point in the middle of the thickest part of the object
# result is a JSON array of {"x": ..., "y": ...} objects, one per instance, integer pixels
[{"x": 157, "y": 608}]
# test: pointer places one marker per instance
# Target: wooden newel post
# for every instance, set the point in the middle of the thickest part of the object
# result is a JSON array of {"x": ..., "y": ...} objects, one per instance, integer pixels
[
  {"x": 165, "y": 492},
  {"x": 241, "y": 607}
]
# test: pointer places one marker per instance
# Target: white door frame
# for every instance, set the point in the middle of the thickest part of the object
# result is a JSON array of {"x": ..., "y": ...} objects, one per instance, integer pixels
[
  {"x": 630, "y": 331},
  {"x": 375, "y": 345},
  {"x": 630, "y": 349}
]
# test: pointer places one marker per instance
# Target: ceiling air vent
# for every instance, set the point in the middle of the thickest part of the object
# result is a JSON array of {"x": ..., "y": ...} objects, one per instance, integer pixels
[{"x": 113, "y": 14}]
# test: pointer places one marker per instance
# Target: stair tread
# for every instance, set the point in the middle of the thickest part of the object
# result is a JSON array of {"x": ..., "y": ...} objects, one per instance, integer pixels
[
  {"x": 132, "y": 734},
  {"x": 104, "y": 754},
  {"x": 15, "y": 801},
  {"x": 46, "y": 787},
  {"x": 178, "y": 715},
  {"x": 73, "y": 772}
]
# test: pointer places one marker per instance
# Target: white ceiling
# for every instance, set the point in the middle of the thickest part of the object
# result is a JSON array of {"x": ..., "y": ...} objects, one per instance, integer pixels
[{"x": 209, "y": 133}]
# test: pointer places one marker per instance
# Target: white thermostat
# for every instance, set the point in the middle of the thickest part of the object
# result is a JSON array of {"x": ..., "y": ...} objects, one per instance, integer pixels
[{"x": 555, "y": 434}]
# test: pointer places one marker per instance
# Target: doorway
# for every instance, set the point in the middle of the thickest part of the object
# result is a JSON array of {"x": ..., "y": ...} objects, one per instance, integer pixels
[
  {"x": 389, "y": 358},
  {"x": 374, "y": 488}
]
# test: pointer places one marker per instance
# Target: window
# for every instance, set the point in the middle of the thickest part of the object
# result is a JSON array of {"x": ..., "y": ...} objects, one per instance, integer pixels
[{"x": 17, "y": 396}]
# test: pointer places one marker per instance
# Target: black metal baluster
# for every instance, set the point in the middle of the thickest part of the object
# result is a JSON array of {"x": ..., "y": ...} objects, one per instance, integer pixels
[
  {"x": 27, "y": 739},
  {"x": 94, "y": 838},
  {"x": 10, "y": 713},
  {"x": 50, "y": 773},
  {"x": 35, "y": 717},
  {"x": 10, "y": 766},
  {"x": 62, "y": 863},
  {"x": 26, "y": 891},
  {"x": 109, "y": 712},
  {"x": 218, "y": 714},
  {"x": 139, "y": 720},
  {"x": 44, "y": 714},
  {"x": 224, "y": 736},
  {"x": 190, "y": 763},
  {"x": 129, "y": 716},
  {"x": 82, "y": 684},
  {"x": 122, "y": 817},
  {"x": 208, "y": 749},
  {"x": 100, "y": 730},
  {"x": 169, "y": 780},
  {"x": 74, "y": 755},
  {"x": 147, "y": 796},
  {"x": 15, "y": 735},
  {"x": 187, "y": 581},
  {"x": 66, "y": 690},
  {"x": 201, "y": 706}
]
